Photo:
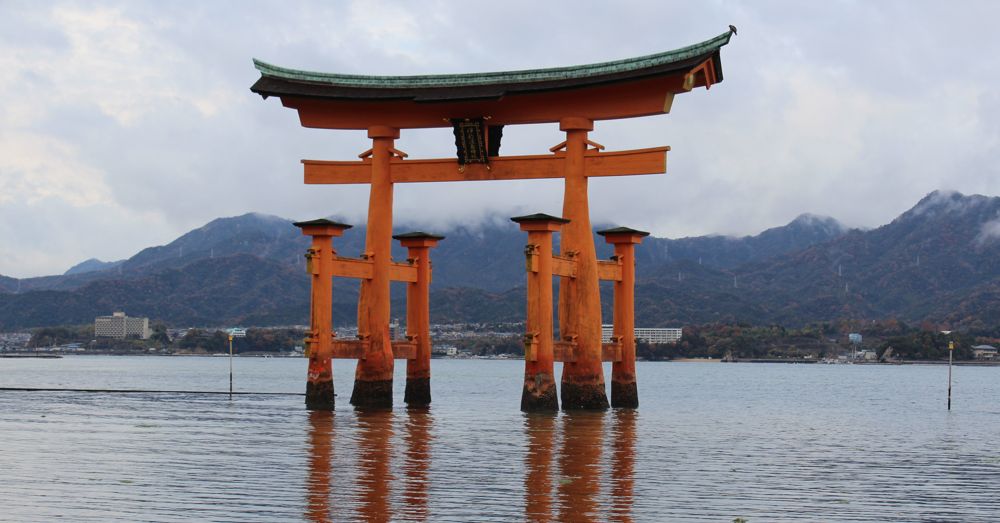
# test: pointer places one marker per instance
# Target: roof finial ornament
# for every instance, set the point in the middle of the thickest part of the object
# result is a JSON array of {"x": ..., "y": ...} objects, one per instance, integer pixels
[{"x": 732, "y": 28}]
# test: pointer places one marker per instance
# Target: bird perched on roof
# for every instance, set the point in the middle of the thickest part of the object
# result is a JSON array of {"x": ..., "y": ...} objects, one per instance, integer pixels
[{"x": 732, "y": 28}]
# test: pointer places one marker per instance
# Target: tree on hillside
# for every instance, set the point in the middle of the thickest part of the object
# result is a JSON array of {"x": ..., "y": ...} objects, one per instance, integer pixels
[
  {"x": 215, "y": 341},
  {"x": 52, "y": 336},
  {"x": 159, "y": 335}
]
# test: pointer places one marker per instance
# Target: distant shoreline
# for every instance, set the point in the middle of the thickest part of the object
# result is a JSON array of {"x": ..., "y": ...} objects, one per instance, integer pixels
[{"x": 964, "y": 363}]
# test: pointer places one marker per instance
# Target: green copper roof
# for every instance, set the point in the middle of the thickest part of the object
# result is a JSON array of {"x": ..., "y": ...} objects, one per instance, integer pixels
[
  {"x": 276, "y": 80},
  {"x": 495, "y": 78}
]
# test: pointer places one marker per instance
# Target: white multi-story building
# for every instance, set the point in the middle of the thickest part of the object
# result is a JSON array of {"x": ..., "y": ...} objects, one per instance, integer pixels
[
  {"x": 120, "y": 326},
  {"x": 646, "y": 334},
  {"x": 984, "y": 352}
]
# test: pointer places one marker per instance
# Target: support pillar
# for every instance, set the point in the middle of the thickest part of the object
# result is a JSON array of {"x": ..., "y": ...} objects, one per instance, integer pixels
[
  {"x": 539, "y": 392},
  {"x": 418, "y": 317},
  {"x": 319, "y": 344},
  {"x": 373, "y": 377},
  {"x": 579, "y": 297},
  {"x": 624, "y": 393}
]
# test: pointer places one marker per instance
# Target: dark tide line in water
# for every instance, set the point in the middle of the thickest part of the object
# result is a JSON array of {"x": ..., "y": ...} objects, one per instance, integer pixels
[
  {"x": 147, "y": 391},
  {"x": 709, "y": 443}
]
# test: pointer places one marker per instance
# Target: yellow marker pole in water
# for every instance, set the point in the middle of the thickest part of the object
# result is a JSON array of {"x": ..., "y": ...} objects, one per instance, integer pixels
[
  {"x": 231, "y": 370},
  {"x": 951, "y": 349}
]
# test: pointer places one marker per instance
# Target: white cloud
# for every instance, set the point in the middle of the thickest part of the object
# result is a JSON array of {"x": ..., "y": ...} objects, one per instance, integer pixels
[
  {"x": 50, "y": 235},
  {"x": 127, "y": 116},
  {"x": 36, "y": 167},
  {"x": 989, "y": 232}
]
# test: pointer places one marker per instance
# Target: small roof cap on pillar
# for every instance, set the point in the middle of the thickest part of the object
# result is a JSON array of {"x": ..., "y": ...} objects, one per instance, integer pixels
[
  {"x": 417, "y": 235},
  {"x": 540, "y": 222},
  {"x": 324, "y": 222},
  {"x": 322, "y": 226},
  {"x": 538, "y": 217},
  {"x": 622, "y": 230},
  {"x": 418, "y": 239},
  {"x": 623, "y": 235}
]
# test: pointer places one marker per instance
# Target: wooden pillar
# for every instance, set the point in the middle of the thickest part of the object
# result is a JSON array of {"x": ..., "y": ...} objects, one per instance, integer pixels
[
  {"x": 580, "y": 298},
  {"x": 624, "y": 393},
  {"x": 418, "y": 317},
  {"x": 319, "y": 264},
  {"x": 373, "y": 377},
  {"x": 539, "y": 392}
]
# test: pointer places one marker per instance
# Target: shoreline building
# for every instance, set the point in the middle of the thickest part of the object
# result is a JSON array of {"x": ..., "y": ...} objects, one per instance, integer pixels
[
  {"x": 120, "y": 326},
  {"x": 646, "y": 334},
  {"x": 984, "y": 352}
]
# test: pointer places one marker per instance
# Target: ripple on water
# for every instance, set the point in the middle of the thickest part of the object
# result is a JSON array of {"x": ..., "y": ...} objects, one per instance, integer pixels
[{"x": 709, "y": 443}]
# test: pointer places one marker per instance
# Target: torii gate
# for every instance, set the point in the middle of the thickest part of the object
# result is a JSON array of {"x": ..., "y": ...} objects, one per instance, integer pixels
[{"x": 477, "y": 106}]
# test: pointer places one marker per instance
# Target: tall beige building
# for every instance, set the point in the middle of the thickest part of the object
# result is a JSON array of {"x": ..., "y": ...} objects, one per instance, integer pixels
[{"x": 120, "y": 326}]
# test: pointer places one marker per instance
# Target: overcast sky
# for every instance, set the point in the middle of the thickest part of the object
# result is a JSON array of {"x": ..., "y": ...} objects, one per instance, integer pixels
[{"x": 126, "y": 124}]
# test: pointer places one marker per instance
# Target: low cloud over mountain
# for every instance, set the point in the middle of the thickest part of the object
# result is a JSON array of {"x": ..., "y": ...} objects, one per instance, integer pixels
[{"x": 937, "y": 261}]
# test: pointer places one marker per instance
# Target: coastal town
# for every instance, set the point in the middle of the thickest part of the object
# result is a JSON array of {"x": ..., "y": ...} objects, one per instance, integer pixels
[{"x": 889, "y": 343}]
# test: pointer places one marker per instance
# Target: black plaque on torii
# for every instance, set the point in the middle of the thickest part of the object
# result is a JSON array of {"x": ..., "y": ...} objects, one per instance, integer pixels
[{"x": 475, "y": 141}]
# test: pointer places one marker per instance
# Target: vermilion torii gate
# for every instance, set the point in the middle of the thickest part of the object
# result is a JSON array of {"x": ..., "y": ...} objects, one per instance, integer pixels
[{"x": 477, "y": 107}]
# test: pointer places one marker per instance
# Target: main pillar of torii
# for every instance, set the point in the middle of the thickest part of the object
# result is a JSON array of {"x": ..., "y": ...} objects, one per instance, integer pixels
[{"x": 477, "y": 106}]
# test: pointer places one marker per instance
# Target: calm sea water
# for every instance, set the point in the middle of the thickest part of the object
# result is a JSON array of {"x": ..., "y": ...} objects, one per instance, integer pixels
[{"x": 710, "y": 442}]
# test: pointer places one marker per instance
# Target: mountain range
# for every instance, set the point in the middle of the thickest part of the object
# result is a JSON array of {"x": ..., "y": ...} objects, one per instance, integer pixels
[{"x": 937, "y": 262}]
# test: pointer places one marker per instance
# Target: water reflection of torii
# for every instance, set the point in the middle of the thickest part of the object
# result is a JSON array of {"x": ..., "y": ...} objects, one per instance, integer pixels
[
  {"x": 562, "y": 462},
  {"x": 477, "y": 106},
  {"x": 576, "y": 477},
  {"x": 372, "y": 488}
]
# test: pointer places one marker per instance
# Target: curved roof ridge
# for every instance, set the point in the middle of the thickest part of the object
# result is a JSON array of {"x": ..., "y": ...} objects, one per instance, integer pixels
[{"x": 498, "y": 77}]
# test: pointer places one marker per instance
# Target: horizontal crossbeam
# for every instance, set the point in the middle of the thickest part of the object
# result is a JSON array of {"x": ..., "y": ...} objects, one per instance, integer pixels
[
  {"x": 400, "y": 271},
  {"x": 364, "y": 269},
  {"x": 350, "y": 349},
  {"x": 352, "y": 268},
  {"x": 616, "y": 163},
  {"x": 565, "y": 351},
  {"x": 609, "y": 270},
  {"x": 357, "y": 349},
  {"x": 563, "y": 266}
]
